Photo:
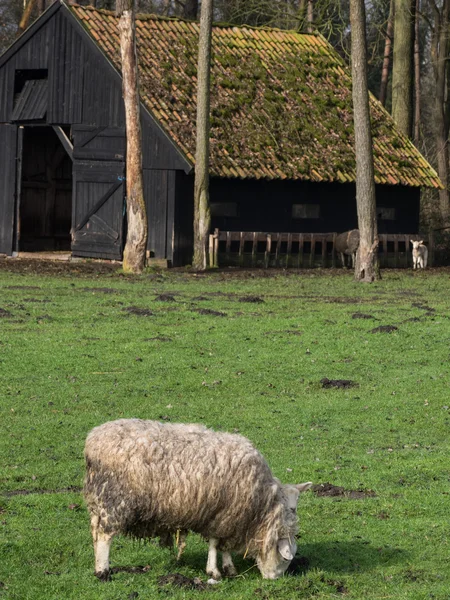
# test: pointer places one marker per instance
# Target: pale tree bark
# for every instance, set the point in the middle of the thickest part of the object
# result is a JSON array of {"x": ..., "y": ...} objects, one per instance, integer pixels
[
  {"x": 366, "y": 267},
  {"x": 190, "y": 9},
  {"x": 310, "y": 16},
  {"x": 439, "y": 59},
  {"x": 41, "y": 6},
  {"x": 136, "y": 243},
  {"x": 417, "y": 74},
  {"x": 202, "y": 215},
  {"x": 28, "y": 9},
  {"x": 387, "y": 54},
  {"x": 402, "y": 66}
]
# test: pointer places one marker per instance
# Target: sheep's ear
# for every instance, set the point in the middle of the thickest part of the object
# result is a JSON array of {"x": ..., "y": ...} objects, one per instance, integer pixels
[
  {"x": 284, "y": 548},
  {"x": 421, "y": 242},
  {"x": 412, "y": 242},
  {"x": 303, "y": 487}
]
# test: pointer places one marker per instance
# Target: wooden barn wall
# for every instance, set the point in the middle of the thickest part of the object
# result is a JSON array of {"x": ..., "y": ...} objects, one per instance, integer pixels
[
  {"x": 33, "y": 55},
  {"x": 159, "y": 189},
  {"x": 66, "y": 64},
  {"x": 8, "y": 137},
  {"x": 267, "y": 206},
  {"x": 184, "y": 219},
  {"x": 157, "y": 150}
]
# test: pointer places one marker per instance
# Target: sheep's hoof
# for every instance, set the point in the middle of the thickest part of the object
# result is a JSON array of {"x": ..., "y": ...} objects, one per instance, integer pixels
[
  {"x": 103, "y": 575},
  {"x": 229, "y": 571},
  {"x": 214, "y": 574}
]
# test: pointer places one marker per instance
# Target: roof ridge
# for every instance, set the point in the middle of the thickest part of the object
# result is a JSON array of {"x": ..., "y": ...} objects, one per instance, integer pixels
[{"x": 219, "y": 24}]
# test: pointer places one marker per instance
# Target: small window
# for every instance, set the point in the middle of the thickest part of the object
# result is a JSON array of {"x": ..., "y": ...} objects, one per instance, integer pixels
[
  {"x": 224, "y": 209},
  {"x": 305, "y": 211},
  {"x": 386, "y": 213}
]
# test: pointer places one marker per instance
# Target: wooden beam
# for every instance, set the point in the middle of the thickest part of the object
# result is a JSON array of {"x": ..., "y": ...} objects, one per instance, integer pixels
[{"x": 67, "y": 144}]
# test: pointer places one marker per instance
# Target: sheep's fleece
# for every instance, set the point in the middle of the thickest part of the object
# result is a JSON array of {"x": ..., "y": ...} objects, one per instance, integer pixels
[{"x": 147, "y": 479}]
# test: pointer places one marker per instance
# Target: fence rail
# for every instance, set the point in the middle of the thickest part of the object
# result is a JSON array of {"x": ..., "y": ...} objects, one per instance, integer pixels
[{"x": 300, "y": 250}]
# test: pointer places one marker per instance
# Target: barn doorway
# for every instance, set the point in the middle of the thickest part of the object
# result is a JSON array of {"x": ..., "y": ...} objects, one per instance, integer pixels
[{"x": 44, "y": 216}]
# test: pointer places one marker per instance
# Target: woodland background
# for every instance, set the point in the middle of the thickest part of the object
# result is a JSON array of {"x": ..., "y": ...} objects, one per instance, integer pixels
[{"x": 421, "y": 42}]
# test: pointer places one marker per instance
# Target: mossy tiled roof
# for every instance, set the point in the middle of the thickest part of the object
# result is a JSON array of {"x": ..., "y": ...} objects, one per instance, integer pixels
[{"x": 281, "y": 105}]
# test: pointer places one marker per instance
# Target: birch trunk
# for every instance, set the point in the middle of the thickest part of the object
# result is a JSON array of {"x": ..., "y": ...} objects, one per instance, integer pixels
[
  {"x": 202, "y": 215},
  {"x": 25, "y": 17},
  {"x": 366, "y": 268},
  {"x": 136, "y": 243}
]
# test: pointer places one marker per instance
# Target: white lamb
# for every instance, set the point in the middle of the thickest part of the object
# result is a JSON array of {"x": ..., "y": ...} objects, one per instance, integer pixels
[
  {"x": 149, "y": 479},
  {"x": 419, "y": 254}
]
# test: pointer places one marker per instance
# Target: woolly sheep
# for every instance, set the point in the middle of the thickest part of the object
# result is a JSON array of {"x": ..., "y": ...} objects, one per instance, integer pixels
[
  {"x": 419, "y": 254},
  {"x": 149, "y": 479},
  {"x": 347, "y": 243}
]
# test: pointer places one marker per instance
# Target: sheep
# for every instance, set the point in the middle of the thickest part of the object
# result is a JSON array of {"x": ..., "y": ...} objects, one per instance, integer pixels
[
  {"x": 151, "y": 479},
  {"x": 419, "y": 254},
  {"x": 347, "y": 243}
]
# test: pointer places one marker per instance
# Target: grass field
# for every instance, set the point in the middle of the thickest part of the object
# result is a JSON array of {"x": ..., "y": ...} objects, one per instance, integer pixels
[{"x": 238, "y": 352}]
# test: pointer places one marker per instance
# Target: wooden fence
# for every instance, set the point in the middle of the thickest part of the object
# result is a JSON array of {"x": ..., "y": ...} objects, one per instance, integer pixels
[{"x": 301, "y": 250}]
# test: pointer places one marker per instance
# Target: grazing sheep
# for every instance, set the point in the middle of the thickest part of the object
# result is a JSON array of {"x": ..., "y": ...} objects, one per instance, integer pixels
[
  {"x": 347, "y": 243},
  {"x": 149, "y": 479},
  {"x": 419, "y": 254}
]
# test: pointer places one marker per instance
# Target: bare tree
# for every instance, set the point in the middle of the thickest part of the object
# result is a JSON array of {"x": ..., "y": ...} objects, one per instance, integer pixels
[
  {"x": 28, "y": 9},
  {"x": 402, "y": 65},
  {"x": 202, "y": 215},
  {"x": 387, "y": 54},
  {"x": 441, "y": 109},
  {"x": 366, "y": 268},
  {"x": 135, "y": 247}
]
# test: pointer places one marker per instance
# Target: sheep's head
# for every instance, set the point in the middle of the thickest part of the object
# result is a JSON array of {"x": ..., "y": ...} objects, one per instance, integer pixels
[
  {"x": 280, "y": 545},
  {"x": 416, "y": 243}
]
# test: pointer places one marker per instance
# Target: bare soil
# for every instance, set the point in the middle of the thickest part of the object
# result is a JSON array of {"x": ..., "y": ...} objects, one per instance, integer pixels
[{"x": 334, "y": 491}]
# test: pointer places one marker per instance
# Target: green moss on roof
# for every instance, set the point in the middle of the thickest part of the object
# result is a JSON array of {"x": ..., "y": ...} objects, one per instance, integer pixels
[{"x": 281, "y": 103}]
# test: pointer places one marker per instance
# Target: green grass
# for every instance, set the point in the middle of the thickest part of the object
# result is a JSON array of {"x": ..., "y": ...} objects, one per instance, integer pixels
[{"x": 72, "y": 357}]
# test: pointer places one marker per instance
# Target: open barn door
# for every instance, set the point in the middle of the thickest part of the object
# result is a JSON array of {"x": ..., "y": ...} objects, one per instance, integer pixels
[{"x": 98, "y": 192}]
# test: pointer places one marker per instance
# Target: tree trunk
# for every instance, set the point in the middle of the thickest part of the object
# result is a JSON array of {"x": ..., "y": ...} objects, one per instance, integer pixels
[
  {"x": 190, "y": 9},
  {"x": 387, "y": 54},
  {"x": 310, "y": 16},
  {"x": 402, "y": 67},
  {"x": 366, "y": 268},
  {"x": 416, "y": 75},
  {"x": 136, "y": 244},
  {"x": 439, "y": 58},
  {"x": 28, "y": 9},
  {"x": 202, "y": 216}
]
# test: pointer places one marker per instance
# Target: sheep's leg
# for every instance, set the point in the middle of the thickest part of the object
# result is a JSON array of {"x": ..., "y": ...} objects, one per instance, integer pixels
[
  {"x": 227, "y": 565},
  {"x": 342, "y": 259},
  {"x": 181, "y": 543},
  {"x": 211, "y": 565},
  {"x": 102, "y": 545},
  {"x": 166, "y": 540}
]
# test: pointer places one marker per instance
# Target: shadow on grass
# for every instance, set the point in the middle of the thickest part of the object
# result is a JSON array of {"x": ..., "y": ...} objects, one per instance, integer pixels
[{"x": 343, "y": 557}]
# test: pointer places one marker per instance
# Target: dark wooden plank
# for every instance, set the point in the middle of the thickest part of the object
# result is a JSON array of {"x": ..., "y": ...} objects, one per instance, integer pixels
[
  {"x": 301, "y": 241},
  {"x": 8, "y": 153},
  {"x": 288, "y": 249},
  {"x": 313, "y": 250}
]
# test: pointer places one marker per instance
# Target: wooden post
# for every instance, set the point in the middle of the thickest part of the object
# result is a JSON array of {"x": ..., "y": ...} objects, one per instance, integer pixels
[
  {"x": 300, "y": 249},
  {"x": 268, "y": 248},
  {"x": 324, "y": 251},
  {"x": 313, "y": 250},
  {"x": 241, "y": 248},
  {"x": 254, "y": 248},
  {"x": 396, "y": 257},
  {"x": 333, "y": 252},
  {"x": 288, "y": 249}
]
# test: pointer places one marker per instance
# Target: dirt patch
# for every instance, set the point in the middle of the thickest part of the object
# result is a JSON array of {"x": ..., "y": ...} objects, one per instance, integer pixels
[
  {"x": 158, "y": 338},
  {"x": 412, "y": 320},
  {"x": 200, "y": 298},
  {"x": 384, "y": 329},
  {"x": 251, "y": 299},
  {"x": 338, "y": 383},
  {"x": 35, "y": 300},
  {"x": 425, "y": 307},
  {"x": 139, "y": 312},
  {"x": 359, "y": 315},
  {"x": 328, "y": 490},
  {"x": 181, "y": 581},
  {"x": 66, "y": 490},
  {"x": 37, "y": 266},
  {"x": 99, "y": 290},
  {"x": 208, "y": 311},
  {"x": 4, "y": 313},
  {"x": 22, "y": 287},
  {"x": 342, "y": 300},
  {"x": 136, "y": 569},
  {"x": 165, "y": 298}
]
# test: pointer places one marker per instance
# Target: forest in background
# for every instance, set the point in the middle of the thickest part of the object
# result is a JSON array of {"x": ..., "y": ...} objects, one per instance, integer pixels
[{"x": 415, "y": 33}]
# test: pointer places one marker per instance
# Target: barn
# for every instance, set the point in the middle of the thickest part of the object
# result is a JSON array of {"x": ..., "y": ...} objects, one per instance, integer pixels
[{"x": 281, "y": 137}]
